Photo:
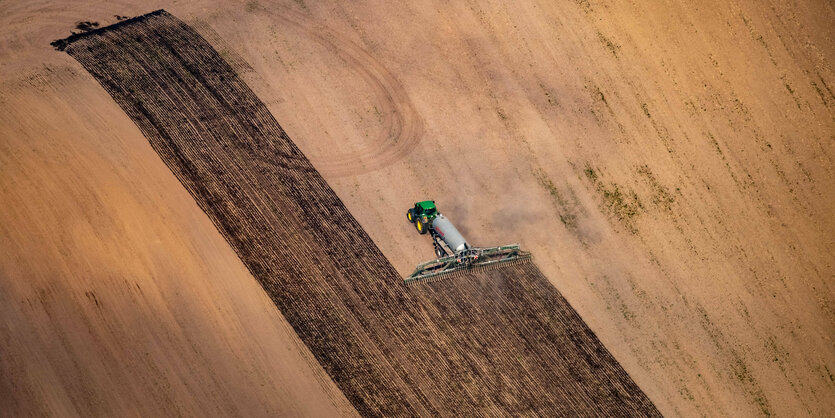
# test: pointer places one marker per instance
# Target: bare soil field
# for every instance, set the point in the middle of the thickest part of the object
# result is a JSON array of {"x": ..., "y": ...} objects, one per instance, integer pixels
[
  {"x": 498, "y": 342},
  {"x": 669, "y": 164}
]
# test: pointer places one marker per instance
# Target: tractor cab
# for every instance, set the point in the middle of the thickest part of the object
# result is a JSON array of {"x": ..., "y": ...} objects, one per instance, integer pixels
[
  {"x": 422, "y": 215},
  {"x": 426, "y": 208}
]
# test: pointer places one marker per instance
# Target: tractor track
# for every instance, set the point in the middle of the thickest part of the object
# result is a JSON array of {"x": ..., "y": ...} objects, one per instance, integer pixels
[
  {"x": 502, "y": 341},
  {"x": 402, "y": 125}
]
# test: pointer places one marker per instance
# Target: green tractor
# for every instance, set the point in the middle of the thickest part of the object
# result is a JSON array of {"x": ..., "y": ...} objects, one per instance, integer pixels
[{"x": 422, "y": 215}]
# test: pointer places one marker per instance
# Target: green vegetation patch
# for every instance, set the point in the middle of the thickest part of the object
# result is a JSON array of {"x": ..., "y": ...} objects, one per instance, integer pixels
[
  {"x": 621, "y": 202},
  {"x": 565, "y": 208}
]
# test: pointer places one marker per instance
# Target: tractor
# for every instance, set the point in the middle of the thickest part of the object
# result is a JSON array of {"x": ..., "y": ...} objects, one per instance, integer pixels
[{"x": 422, "y": 215}]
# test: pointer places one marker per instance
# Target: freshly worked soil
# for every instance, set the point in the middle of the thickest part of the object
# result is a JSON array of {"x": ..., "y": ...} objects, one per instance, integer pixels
[{"x": 502, "y": 341}]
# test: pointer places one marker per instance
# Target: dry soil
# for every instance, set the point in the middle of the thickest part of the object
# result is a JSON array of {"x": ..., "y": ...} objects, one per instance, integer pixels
[{"x": 669, "y": 164}]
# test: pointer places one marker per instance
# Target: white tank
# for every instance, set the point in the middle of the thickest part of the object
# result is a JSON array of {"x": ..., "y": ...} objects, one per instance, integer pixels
[{"x": 453, "y": 239}]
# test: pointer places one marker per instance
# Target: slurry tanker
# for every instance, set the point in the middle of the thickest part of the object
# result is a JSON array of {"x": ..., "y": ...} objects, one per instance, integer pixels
[{"x": 455, "y": 254}]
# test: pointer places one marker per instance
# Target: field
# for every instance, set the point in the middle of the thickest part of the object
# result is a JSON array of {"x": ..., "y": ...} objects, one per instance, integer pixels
[
  {"x": 498, "y": 342},
  {"x": 669, "y": 164}
]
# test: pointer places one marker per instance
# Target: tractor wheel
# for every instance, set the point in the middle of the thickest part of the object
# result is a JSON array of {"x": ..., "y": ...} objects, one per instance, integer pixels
[
  {"x": 421, "y": 227},
  {"x": 410, "y": 215}
]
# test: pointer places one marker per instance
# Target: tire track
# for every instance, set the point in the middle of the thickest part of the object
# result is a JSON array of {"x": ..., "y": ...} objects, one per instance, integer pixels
[
  {"x": 402, "y": 125},
  {"x": 503, "y": 342}
]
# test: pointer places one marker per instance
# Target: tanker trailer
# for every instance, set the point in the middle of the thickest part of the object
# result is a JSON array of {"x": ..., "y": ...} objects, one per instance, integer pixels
[{"x": 455, "y": 254}]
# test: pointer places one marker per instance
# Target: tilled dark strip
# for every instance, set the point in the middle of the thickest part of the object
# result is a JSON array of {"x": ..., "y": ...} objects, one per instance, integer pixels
[{"x": 502, "y": 341}]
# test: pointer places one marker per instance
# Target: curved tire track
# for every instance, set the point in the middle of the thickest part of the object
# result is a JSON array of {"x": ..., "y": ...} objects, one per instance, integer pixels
[{"x": 402, "y": 125}]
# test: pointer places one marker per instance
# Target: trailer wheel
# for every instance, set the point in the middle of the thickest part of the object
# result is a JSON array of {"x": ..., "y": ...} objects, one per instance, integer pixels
[
  {"x": 421, "y": 227},
  {"x": 410, "y": 215},
  {"x": 439, "y": 252}
]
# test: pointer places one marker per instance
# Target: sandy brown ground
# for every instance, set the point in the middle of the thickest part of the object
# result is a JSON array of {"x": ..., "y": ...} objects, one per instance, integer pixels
[
  {"x": 119, "y": 297},
  {"x": 668, "y": 163}
]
